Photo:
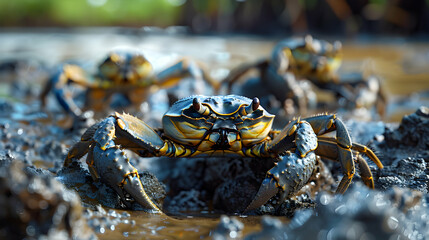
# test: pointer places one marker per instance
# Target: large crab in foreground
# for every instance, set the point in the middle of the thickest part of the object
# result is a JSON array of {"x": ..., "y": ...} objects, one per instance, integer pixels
[
  {"x": 317, "y": 61},
  {"x": 220, "y": 126},
  {"x": 123, "y": 71}
]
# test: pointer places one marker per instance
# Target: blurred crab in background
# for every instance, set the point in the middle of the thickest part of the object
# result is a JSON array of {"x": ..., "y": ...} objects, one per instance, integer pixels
[
  {"x": 300, "y": 67},
  {"x": 220, "y": 126},
  {"x": 125, "y": 72}
]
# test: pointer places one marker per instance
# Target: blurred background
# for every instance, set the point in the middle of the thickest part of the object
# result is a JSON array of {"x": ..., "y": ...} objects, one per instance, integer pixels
[
  {"x": 381, "y": 37},
  {"x": 275, "y": 17}
]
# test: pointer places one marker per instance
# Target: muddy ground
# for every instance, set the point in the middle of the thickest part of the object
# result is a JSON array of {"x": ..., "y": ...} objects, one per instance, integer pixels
[
  {"x": 204, "y": 197},
  {"x": 44, "y": 199}
]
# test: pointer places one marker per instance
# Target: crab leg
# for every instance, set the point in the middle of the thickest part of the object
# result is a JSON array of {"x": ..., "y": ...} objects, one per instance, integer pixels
[
  {"x": 363, "y": 149},
  {"x": 240, "y": 71},
  {"x": 365, "y": 172},
  {"x": 172, "y": 75},
  {"x": 65, "y": 74},
  {"x": 81, "y": 148},
  {"x": 294, "y": 169},
  {"x": 328, "y": 123},
  {"x": 328, "y": 149},
  {"x": 340, "y": 147}
]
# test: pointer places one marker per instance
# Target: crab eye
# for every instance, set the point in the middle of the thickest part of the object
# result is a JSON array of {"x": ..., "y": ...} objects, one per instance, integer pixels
[
  {"x": 252, "y": 107},
  {"x": 200, "y": 108}
]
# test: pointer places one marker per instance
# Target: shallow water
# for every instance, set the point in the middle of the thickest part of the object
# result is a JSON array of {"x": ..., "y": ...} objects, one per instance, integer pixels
[{"x": 152, "y": 226}]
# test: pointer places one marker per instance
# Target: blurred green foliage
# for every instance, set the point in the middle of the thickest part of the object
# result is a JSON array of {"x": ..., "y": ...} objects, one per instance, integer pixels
[
  {"x": 88, "y": 12},
  {"x": 349, "y": 17}
]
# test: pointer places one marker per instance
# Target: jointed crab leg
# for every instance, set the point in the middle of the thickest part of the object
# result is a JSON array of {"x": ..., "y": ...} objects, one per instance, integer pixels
[
  {"x": 282, "y": 84},
  {"x": 327, "y": 149},
  {"x": 237, "y": 73},
  {"x": 365, "y": 171},
  {"x": 81, "y": 148},
  {"x": 363, "y": 149},
  {"x": 170, "y": 76},
  {"x": 328, "y": 123},
  {"x": 65, "y": 74}
]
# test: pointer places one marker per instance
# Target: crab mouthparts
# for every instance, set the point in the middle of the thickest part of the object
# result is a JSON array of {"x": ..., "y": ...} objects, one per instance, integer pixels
[
  {"x": 223, "y": 141},
  {"x": 223, "y": 138}
]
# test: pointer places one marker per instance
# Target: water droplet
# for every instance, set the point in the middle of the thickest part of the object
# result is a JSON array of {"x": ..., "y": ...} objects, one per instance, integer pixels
[
  {"x": 342, "y": 209},
  {"x": 392, "y": 222},
  {"x": 325, "y": 199},
  {"x": 31, "y": 231},
  {"x": 233, "y": 234}
]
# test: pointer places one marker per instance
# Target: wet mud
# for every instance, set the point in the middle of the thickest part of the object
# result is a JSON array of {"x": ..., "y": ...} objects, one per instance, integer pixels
[
  {"x": 35, "y": 205},
  {"x": 405, "y": 152},
  {"x": 204, "y": 197}
]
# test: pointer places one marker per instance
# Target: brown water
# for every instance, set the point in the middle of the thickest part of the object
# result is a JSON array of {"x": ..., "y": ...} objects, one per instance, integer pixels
[
  {"x": 402, "y": 66},
  {"x": 150, "y": 226}
]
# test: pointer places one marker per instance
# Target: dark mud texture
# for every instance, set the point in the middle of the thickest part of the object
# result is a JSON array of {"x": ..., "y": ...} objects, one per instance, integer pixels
[
  {"x": 359, "y": 214},
  {"x": 93, "y": 192},
  {"x": 228, "y": 185},
  {"x": 34, "y": 205},
  {"x": 405, "y": 153}
]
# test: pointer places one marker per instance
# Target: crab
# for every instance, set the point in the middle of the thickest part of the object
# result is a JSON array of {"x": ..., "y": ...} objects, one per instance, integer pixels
[
  {"x": 123, "y": 71},
  {"x": 316, "y": 61},
  {"x": 220, "y": 126}
]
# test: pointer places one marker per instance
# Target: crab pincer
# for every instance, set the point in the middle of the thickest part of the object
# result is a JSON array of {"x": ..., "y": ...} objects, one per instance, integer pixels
[{"x": 293, "y": 170}]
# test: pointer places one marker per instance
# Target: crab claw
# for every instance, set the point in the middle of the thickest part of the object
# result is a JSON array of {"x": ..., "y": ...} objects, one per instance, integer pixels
[
  {"x": 287, "y": 176},
  {"x": 267, "y": 190},
  {"x": 133, "y": 186}
]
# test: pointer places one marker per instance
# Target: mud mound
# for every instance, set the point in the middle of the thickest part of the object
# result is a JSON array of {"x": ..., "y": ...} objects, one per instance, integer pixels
[
  {"x": 360, "y": 213},
  {"x": 35, "y": 205},
  {"x": 404, "y": 152}
]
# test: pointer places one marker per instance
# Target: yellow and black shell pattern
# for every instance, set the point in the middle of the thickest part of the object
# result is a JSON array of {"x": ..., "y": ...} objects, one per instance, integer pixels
[{"x": 188, "y": 125}]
